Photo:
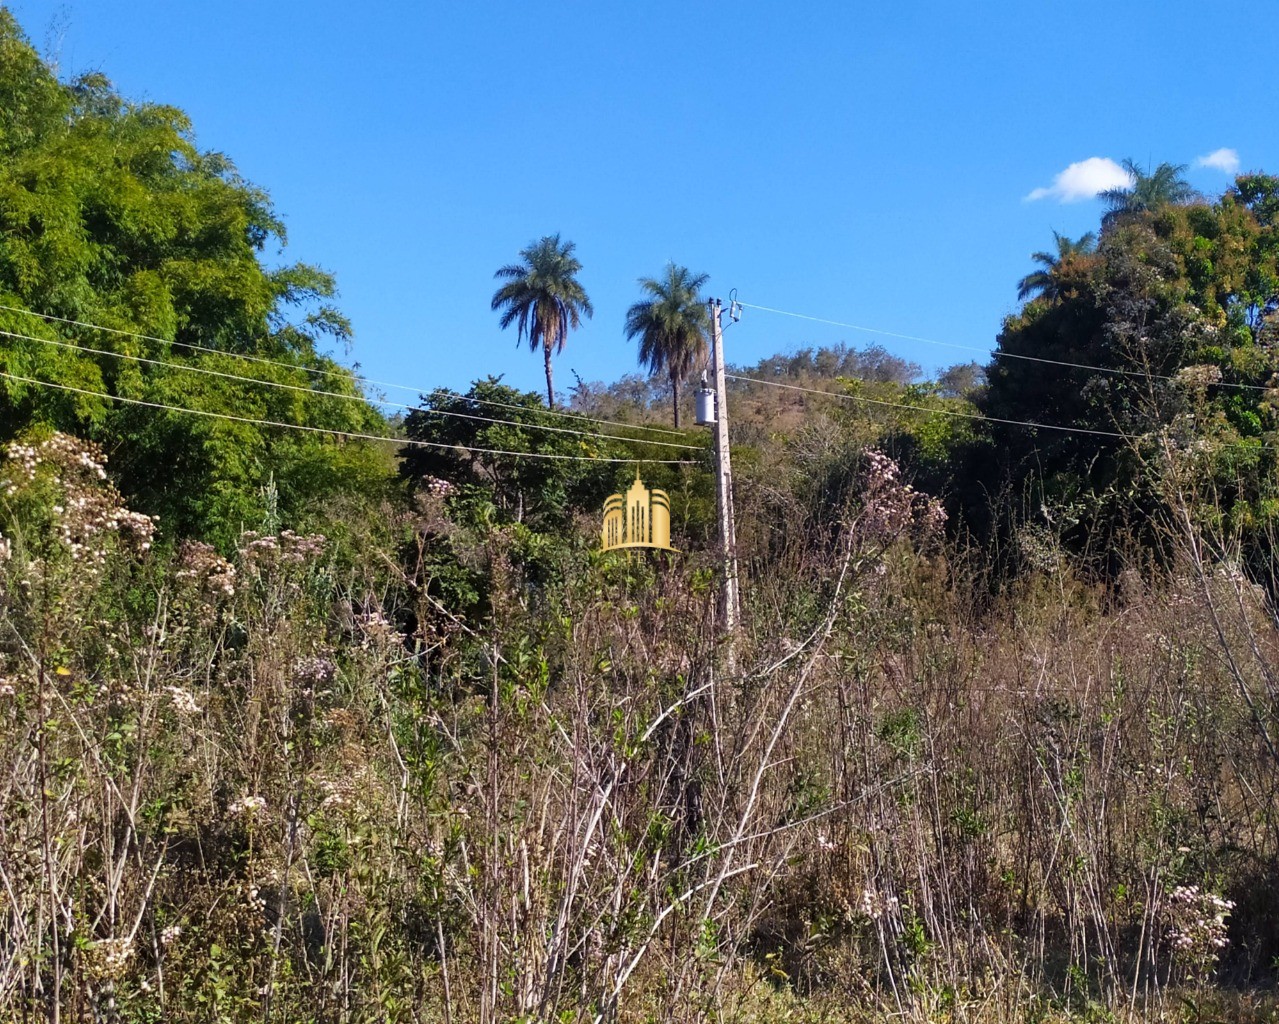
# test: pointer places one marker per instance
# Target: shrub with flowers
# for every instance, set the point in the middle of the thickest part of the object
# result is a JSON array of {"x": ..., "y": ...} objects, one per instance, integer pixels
[
  {"x": 288, "y": 548},
  {"x": 200, "y": 564},
  {"x": 1197, "y": 931},
  {"x": 63, "y": 508},
  {"x": 891, "y": 508}
]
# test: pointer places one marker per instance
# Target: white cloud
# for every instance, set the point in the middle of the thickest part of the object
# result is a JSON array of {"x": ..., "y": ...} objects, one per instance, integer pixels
[
  {"x": 1083, "y": 180},
  {"x": 1221, "y": 159}
]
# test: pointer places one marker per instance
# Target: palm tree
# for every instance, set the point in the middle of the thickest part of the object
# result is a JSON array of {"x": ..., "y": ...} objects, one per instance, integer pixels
[
  {"x": 1164, "y": 187},
  {"x": 543, "y": 296},
  {"x": 1044, "y": 282},
  {"x": 671, "y": 325}
]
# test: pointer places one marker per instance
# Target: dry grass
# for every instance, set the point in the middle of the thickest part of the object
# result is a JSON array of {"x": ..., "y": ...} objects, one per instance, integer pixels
[{"x": 320, "y": 794}]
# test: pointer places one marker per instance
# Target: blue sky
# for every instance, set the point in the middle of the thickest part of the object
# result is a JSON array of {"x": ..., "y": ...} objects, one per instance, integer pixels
[{"x": 862, "y": 162}]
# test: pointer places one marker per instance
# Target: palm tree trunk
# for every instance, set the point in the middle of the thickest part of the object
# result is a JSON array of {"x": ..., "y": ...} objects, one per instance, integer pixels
[
  {"x": 675, "y": 389},
  {"x": 550, "y": 387}
]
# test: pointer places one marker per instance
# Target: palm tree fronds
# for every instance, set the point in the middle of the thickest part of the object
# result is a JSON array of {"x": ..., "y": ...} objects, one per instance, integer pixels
[
  {"x": 1165, "y": 186},
  {"x": 671, "y": 325},
  {"x": 1043, "y": 283},
  {"x": 544, "y": 298}
]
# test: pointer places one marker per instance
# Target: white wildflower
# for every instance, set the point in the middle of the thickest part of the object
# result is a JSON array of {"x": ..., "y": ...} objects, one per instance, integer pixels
[
  {"x": 247, "y": 805},
  {"x": 184, "y": 703}
]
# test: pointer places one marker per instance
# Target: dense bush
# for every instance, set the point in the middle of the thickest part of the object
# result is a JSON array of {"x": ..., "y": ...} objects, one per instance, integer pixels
[
  {"x": 288, "y": 785},
  {"x": 284, "y": 734}
]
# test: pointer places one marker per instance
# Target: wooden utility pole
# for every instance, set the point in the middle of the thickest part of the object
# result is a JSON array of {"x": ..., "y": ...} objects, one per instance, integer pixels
[{"x": 729, "y": 606}]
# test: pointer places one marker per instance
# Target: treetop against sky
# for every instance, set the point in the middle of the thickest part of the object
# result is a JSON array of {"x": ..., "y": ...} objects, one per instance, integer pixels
[{"x": 817, "y": 158}]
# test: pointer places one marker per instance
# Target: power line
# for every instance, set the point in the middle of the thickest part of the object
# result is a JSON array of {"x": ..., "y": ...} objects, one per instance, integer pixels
[
  {"x": 343, "y": 374},
  {"x": 334, "y": 394},
  {"x": 940, "y": 412},
  {"x": 540, "y": 426},
  {"x": 353, "y": 435},
  {"x": 955, "y": 413},
  {"x": 994, "y": 354},
  {"x": 350, "y": 376}
]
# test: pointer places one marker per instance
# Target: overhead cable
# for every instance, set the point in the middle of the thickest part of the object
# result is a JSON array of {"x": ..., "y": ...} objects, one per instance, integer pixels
[
  {"x": 334, "y": 394},
  {"x": 996, "y": 353},
  {"x": 352, "y": 435},
  {"x": 957, "y": 414},
  {"x": 343, "y": 374}
]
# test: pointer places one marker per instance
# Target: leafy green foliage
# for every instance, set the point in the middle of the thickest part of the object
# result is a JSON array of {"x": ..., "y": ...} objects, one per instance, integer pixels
[
  {"x": 1167, "y": 327},
  {"x": 110, "y": 215},
  {"x": 1043, "y": 282},
  {"x": 671, "y": 325},
  {"x": 1149, "y": 192},
  {"x": 543, "y": 483},
  {"x": 544, "y": 298},
  {"x": 527, "y": 485}
]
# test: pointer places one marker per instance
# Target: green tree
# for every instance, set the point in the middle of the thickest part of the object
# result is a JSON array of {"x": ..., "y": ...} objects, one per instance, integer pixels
[
  {"x": 671, "y": 325},
  {"x": 520, "y": 479},
  {"x": 1161, "y": 336},
  {"x": 461, "y": 442},
  {"x": 1044, "y": 281},
  {"x": 543, "y": 296},
  {"x": 1165, "y": 186},
  {"x": 111, "y": 215},
  {"x": 1260, "y": 193}
]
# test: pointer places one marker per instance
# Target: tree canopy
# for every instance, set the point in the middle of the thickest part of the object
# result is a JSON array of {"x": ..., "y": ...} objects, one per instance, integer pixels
[
  {"x": 1149, "y": 191},
  {"x": 147, "y": 248},
  {"x": 671, "y": 325},
  {"x": 544, "y": 298},
  {"x": 1042, "y": 283},
  {"x": 1161, "y": 342}
]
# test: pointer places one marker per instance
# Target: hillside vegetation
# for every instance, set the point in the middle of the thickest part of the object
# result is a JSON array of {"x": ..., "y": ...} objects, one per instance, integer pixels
[{"x": 358, "y": 723}]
